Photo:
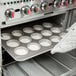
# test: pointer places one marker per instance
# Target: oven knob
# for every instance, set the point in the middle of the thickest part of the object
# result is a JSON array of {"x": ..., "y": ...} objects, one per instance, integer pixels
[
  {"x": 57, "y": 4},
  {"x": 25, "y": 10},
  {"x": 35, "y": 8},
  {"x": 65, "y": 3},
  {"x": 74, "y": 1},
  {"x": 44, "y": 6},
  {"x": 9, "y": 13}
]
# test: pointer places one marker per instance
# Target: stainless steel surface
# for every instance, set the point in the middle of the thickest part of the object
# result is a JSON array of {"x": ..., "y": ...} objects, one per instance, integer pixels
[
  {"x": 66, "y": 59},
  {"x": 18, "y": 18},
  {"x": 43, "y": 65}
]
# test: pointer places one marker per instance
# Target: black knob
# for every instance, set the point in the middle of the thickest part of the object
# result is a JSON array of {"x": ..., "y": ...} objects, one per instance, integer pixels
[
  {"x": 44, "y": 6},
  {"x": 9, "y": 13},
  {"x": 25, "y": 10},
  {"x": 35, "y": 8}
]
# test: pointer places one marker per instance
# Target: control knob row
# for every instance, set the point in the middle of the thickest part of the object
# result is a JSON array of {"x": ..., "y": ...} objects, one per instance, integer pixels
[{"x": 26, "y": 9}]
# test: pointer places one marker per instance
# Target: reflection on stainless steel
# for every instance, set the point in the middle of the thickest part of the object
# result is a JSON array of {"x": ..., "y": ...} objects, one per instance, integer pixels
[
  {"x": 44, "y": 65},
  {"x": 66, "y": 60}
]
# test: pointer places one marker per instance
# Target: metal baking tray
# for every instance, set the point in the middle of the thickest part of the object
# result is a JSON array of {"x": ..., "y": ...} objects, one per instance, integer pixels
[{"x": 31, "y": 53}]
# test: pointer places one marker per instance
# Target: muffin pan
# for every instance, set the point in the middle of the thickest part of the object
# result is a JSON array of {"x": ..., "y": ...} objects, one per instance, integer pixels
[{"x": 27, "y": 42}]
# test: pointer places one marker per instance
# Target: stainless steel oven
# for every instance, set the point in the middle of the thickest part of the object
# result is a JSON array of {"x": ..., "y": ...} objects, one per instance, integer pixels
[{"x": 30, "y": 29}]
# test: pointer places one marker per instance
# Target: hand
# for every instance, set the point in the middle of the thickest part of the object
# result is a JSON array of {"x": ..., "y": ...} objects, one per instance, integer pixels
[{"x": 68, "y": 43}]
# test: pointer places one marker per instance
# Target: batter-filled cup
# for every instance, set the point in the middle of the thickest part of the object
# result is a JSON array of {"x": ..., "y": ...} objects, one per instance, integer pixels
[
  {"x": 45, "y": 42},
  {"x": 13, "y": 43},
  {"x": 5, "y": 36},
  {"x": 47, "y": 25},
  {"x": 55, "y": 38},
  {"x": 36, "y": 36},
  {"x": 17, "y": 33},
  {"x": 38, "y": 27},
  {"x": 46, "y": 33},
  {"x": 33, "y": 46},
  {"x": 62, "y": 34},
  {"x": 28, "y": 30},
  {"x": 25, "y": 39},
  {"x": 56, "y": 30},
  {"x": 21, "y": 51}
]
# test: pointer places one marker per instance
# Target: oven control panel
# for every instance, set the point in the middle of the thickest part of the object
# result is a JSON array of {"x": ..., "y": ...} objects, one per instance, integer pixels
[{"x": 14, "y": 12}]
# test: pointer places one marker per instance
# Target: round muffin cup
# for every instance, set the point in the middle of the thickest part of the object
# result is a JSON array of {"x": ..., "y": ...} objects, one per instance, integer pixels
[
  {"x": 28, "y": 30},
  {"x": 47, "y": 25},
  {"x": 55, "y": 38},
  {"x": 5, "y": 36},
  {"x": 45, "y": 42},
  {"x": 36, "y": 36},
  {"x": 56, "y": 30},
  {"x": 12, "y": 43},
  {"x": 33, "y": 46},
  {"x": 21, "y": 51},
  {"x": 46, "y": 33},
  {"x": 62, "y": 34},
  {"x": 38, "y": 27},
  {"x": 25, "y": 39},
  {"x": 17, "y": 33}
]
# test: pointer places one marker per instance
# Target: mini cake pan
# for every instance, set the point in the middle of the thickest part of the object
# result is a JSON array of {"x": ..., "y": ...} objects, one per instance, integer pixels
[{"x": 32, "y": 42}]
